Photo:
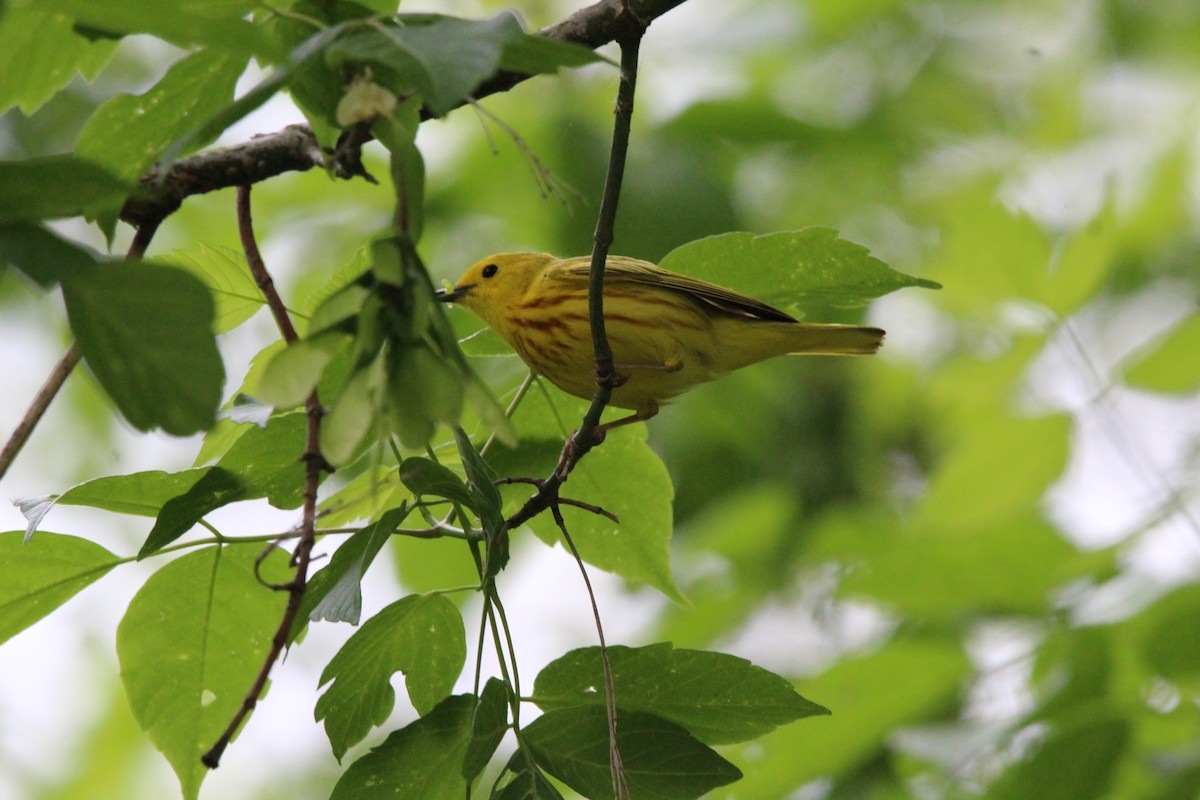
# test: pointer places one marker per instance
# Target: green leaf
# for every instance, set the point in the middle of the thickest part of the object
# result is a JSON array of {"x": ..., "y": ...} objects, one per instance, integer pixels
[
  {"x": 425, "y": 478},
  {"x": 526, "y": 781},
  {"x": 225, "y": 272},
  {"x": 1169, "y": 654},
  {"x": 304, "y": 53},
  {"x": 54, "y": 187},
  {"x": 1075, "y": 762},
  {"x": 334, "y": 593},
  {"x": 718, "y": 698},
  {"x": 458, "y": 53},
  {"x": 487, "y": 728},
  {"x": 264, "y": 462},
  {"x": 623, "y": 476},
  {"x": 146, "y": 333},
  {"x": 964, "y": 491},
  {"x": 353, "y": 413},
  {"x": 127, "y": 134},
  {"x": 294, "y": 372},
  {"x": 141, "y": 493},
  {"x": 422, "y": 760},
  {"x": 221, "y": 25},
  {"x": 1011, "y": 566},
  {"x": 916, "y": 680},
  {"x": 40, "y": 53},
  {"x": 662, "y": 761},
  {"x": 41, "y": 254},
  {"x": 39, "y": 576},
  {"x": 191, "y": 643},
  {"x": 482, "y": 480},
  {"x": 537, "y": 55},
  {"x": 419, "y": 635},
  {"x": 1172, "y": 364},
  {"x": 791, "y": 269}
]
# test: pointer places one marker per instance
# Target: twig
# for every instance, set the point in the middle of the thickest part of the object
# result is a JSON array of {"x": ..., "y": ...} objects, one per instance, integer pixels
[
  {"x": 620, "y": 784},
  {"x": 314, "y": 463},
  {"x": 58, "y": 376}
]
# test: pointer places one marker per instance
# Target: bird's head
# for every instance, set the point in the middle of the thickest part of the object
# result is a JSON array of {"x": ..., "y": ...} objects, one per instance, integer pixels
[{"x": 496, "y": 283}]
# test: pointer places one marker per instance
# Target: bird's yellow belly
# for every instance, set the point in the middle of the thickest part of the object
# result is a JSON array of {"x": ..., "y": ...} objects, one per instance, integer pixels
[{"x": 656, "y": 365}]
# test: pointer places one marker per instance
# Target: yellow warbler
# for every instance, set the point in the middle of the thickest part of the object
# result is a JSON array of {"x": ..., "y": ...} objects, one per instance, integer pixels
[{"x": 668, "y": 332}]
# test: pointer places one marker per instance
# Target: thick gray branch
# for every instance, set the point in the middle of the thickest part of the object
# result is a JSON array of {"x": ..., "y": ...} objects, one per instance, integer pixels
[{"x": 295, "y": 148}]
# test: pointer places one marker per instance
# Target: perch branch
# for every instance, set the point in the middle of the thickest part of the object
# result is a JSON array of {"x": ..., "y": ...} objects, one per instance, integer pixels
[
  {"x": 295, "y": 148},
  {"x": 314, "y": 463}
]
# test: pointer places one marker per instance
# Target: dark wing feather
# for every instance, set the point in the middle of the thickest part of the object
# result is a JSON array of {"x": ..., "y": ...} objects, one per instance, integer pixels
[{"x": 619, "y": 269}]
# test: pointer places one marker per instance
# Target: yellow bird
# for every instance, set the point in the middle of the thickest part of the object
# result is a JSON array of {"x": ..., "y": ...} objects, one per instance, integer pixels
[{"x": 668, "y": 332}]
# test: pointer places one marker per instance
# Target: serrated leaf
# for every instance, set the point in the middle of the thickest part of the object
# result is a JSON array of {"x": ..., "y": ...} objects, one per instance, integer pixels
[
  {"x": 488, "y": 726},
  {"x": 422, "y": 760},
  {"x": 225, "y": 272},
  {"x": 190, "y": 644},
  {"x": 39, "y": 576},
  {"x": 718, "y": 698},
  {"x": 419, "y": 635},
  {"x": 791, "y": 269},
  {"x": 263, "y": 462},
  {"x": 40, "y": 53},
  {"x": 661, "y": 760},
  {"x": 54, "y": 187},
  {"x": 146, "y": 333},
  {"x": 127, "y": 133}
]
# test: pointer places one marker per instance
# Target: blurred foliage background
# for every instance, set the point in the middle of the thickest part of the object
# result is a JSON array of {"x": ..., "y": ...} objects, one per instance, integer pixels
[{"x": 979, "y": 549}]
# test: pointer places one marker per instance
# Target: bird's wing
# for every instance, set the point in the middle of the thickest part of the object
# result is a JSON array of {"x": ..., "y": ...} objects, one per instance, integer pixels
[{"x": 620, "y": 269}]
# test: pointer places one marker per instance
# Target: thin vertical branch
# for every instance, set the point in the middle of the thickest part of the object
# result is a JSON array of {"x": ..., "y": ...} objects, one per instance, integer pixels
[
  {"x": 62, "y": 370},
  {"x": 314, "y": 463},
  {"x": 616, "y": 767}
]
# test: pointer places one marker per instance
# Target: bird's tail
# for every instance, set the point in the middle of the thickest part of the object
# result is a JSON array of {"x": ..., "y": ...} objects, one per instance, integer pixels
[{"x": 816, "y": 339}]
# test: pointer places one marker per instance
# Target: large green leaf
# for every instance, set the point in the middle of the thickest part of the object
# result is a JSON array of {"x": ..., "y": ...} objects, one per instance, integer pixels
[
  {"x": 39, "y": 576},
  {"x": 719, "y": 698},
  {"x": 419, "y": 635},
  {"x": 225, "y": 272},
  {"x": 487, "y": 728},
  {"x": 127, "y": 133},
  {"x": 219, "y": 24},
  {"x": 40, "y": 53},
  {"x": 791, "y": 269},
  {"x": 661, "y": 760},
  {"x": 421, "y": 760},
  {"x": 146, "y": 333},
  {"x": 41, "y": 254},
  {"x": 191, "y": 643},
  {"x": 54, "y": 187}
]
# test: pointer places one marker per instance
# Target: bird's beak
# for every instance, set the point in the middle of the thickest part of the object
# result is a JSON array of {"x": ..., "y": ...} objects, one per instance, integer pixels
[{"x": 452, "y": 295}]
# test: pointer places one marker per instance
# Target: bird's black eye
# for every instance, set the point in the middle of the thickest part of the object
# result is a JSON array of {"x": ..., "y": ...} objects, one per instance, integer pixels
[{"x": 490, "y": 270}]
